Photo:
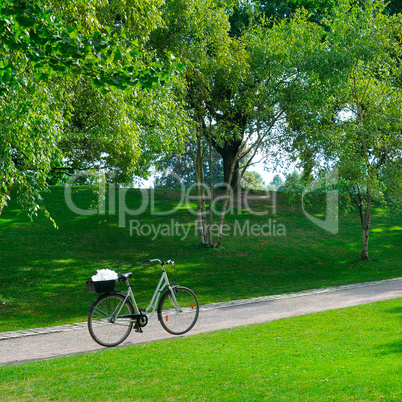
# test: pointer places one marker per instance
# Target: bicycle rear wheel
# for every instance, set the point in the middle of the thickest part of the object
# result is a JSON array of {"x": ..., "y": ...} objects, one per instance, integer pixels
[
  {"x": 178, "y": 314},
  {"x": 105, "y": 327}
]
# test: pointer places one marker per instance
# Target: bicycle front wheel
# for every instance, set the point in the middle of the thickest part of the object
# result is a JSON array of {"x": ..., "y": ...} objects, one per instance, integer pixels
[
  {"x": 106, "y": 322},
  {"x": 178, "y": 313}
]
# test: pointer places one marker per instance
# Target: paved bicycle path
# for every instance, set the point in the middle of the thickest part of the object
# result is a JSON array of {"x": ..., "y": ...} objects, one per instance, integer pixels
[{"x": 45, "y": 343}]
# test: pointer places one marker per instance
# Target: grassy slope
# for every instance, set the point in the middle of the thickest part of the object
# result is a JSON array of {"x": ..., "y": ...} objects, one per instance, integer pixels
[
  {"x": 43, "y": 271},
  {"x": 348, "y": 354}
]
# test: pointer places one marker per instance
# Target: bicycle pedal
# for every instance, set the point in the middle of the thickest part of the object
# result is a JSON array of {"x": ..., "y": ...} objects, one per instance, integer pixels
[{"x": 138, "y": 329}]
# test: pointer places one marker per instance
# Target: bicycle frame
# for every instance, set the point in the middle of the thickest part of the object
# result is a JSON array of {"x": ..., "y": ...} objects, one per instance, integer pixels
[{"x": 153, "y": 305}]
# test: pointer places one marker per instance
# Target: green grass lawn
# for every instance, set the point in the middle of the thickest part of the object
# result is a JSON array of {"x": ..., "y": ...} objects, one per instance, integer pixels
[
  {"x": 43, "y": 270},
  {"x": 339, "y": 355}
]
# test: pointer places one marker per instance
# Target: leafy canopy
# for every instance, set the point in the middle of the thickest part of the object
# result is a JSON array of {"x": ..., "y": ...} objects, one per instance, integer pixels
[{"x": 52, "y": 48}]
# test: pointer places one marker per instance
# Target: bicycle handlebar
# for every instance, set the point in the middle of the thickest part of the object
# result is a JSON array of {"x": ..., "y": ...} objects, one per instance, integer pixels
[{"x": 160, "y": 262}]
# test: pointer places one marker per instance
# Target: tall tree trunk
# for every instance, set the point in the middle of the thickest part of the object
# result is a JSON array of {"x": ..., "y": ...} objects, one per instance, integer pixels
[
  {"x": 364, "y": 253},
  {"x": 201, "y": 212},
  {"x": 228, "y": 194},
  {"x": 229, "y": 151},
  {"x": 211, "y": 189},
  {"x": 365, "y": 219}
]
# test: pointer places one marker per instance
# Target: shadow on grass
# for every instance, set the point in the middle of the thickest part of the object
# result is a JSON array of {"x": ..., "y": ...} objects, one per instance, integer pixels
[
  {"x": 43, "y": 270},
  {"x": 390, "y": 348}
]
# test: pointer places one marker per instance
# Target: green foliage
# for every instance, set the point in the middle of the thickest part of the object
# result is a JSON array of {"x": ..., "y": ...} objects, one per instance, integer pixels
[
  {"x": 252, "y": 181},
  {"x": 276, "y": 180},
  {"x": 293, "y": 188},
  {"x": 391, "y": 178},
  {"x": 52, "y": 49},
  {"x": 139, "y": 17},
  {"x": 122, "y": 132},
  {"x": 198, "y": 32},
  {"x": 347, "y": 114},
  {"x": 369, "y": 136},
  {"x": 104, "y": 120},
  {"x": 27, "y": 144},
  {"x": 286, "y": 9},
  {"x": 178, "y": 170},
  {"x": 293, "y": 181},
  {"x": 276, "y": 184}
]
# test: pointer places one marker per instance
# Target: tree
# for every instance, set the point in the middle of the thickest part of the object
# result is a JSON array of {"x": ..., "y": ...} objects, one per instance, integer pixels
[
  {"x": 198, "y": 33},
  {"x": 253, "y": 181},
  {"x": 215, "y": 70},
  {"x": 276, "y": 180},
  {"x": 238, "y": 81},
  {"x": 293, "y": 182},
  {"x": 356, "y": 125},
  {"x": 179, "y": 170},
  {"x": 44, "y": 64},
  {"x": 276, "y": 184},
  {"x": 123, "y": 132}
]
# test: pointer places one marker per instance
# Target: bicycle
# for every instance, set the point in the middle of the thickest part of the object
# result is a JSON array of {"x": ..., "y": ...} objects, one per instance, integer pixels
[{"x": 113, "y": 315}]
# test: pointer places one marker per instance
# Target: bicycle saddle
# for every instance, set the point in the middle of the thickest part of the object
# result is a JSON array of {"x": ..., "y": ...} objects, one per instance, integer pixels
[{"x": 124, "y": 277}]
